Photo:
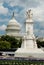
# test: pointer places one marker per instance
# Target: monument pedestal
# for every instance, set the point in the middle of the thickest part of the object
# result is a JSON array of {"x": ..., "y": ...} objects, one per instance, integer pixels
[
  {"x": 29, "y": 49},
  {"x": 29, "y": 52}
]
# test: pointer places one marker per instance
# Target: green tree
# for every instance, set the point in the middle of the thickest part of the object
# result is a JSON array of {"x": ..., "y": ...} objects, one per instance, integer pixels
[
  {"x": 40, "y": 43},
  {"x": 5, "y": 45},
  {"x": 14, "y": 42}
]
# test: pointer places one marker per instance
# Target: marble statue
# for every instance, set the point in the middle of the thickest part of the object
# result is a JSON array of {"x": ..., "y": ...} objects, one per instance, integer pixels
[
  {"x": 29, "y": 47},
  {"x": 29, "y": 14}
]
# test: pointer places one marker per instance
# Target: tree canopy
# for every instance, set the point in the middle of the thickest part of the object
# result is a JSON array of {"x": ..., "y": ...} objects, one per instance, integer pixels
[
  {"x": 40, "y": 43},
  {"x": 15, "y": 43},
  {"x": 5, "y": 45}
]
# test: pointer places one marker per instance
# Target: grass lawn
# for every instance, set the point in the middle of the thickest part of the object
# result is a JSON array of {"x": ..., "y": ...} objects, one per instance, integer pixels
[{"x": 21, "y": 62}]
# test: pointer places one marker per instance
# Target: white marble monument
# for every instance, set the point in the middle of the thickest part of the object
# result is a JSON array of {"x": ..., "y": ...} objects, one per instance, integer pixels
[{"x": 29, "y": 47}]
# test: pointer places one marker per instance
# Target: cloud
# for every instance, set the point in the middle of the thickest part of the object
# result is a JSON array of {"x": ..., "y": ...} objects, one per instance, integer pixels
[
  {"x": 36, "y": 32},
  {"x": 24, "y": 3},
  {"x": 41, "y": 25},
  {"x": 3, "y": 20},
  {"x": 3, "y": 10},
  {"x": 41, "y": 33},
  {"x": 36, "y": 6},
  {"x": 38, "y": 14},
  {"x": 3, "y": 27},
  {"x": 39, "y": 29}
]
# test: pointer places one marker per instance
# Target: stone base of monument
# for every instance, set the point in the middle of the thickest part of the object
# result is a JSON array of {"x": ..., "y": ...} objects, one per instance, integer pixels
[{"x": 30, "y": 53}]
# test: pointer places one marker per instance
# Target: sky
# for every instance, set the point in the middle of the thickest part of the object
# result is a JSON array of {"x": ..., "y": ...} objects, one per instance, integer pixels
[{"x": 19, "y": 7}]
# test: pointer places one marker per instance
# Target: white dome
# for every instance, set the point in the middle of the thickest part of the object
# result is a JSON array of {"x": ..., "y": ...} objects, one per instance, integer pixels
[
  {"x": 13, "y": 22},
  {"x": 13, "y": 25}
]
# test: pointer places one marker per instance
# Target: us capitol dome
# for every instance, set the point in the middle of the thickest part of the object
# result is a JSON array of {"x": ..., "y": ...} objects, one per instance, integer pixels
[{"x": 13, "y": 28}]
